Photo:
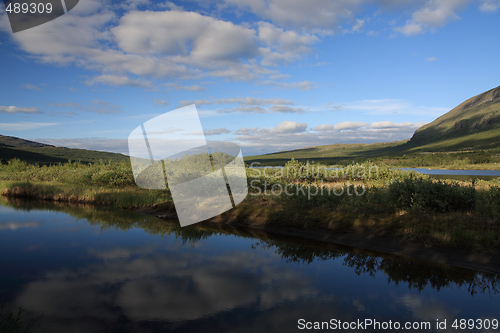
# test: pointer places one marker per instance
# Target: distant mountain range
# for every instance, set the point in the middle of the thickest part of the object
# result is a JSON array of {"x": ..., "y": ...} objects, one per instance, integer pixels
[{"x": 36, "y": 152}]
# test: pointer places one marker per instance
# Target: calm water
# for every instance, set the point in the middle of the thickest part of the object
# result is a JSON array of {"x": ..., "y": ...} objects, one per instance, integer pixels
[
  {"x": 458, "y": 174},
  {"x": 89, "y": 270}
]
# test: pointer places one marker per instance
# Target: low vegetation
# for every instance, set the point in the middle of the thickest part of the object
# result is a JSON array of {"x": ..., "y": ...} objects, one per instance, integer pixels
[{"x": 358, "y": 198}]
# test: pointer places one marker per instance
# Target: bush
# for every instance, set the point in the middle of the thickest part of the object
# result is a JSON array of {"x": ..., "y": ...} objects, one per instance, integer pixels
[{"x": 427, "y": 195}]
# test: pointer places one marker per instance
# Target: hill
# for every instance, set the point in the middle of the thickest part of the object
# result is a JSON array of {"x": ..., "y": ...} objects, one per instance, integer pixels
[
  {"x": 471, "y": 126},
  {"x": 13, "y": 142},
  {"x": 474, "y": 124},
  {"x": 36, "y": 152}
]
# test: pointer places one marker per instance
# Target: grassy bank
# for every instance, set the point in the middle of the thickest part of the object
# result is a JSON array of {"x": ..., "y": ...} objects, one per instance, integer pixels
[{"x": 364, "y": 199}]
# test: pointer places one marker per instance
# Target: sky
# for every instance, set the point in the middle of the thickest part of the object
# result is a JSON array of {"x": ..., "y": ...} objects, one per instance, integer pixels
[{"x": 268, "y": 75}]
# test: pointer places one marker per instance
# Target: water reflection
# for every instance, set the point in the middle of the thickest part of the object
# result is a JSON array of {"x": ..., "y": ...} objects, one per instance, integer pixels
[{"x": 105, "y": 270}]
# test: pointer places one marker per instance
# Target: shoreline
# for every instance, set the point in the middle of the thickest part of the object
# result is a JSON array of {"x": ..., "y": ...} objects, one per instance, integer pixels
[
  {"x": 425, "y": 236},
  {"x": 469, "y": 259}
]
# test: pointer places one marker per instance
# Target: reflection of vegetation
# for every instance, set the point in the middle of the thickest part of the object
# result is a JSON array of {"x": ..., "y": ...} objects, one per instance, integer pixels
[
  {"x": 416, "y": 273},
  {"x": 12, "y": 323},
  {"x": 115, "y": 219}
]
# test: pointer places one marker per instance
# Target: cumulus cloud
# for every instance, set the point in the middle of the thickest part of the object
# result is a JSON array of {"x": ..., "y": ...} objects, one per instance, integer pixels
[
  {"x": 93, "y": 106},
  {"x": 322, "y": 128},
  {"x": 244, "y": 109},
  {"x": 285, "y": 127},
  {"x": 289, "y": 127},
  {"x": 358, "y": 26},
  {"x": 286, "y": 109},
  {"x": 433, "y": 14},
  {"x": 489, "y": 6},
  {"x": 345, "y": 125},
  {"x": 349, "y": 125},
  {"x": 117, "y": 81},
  {"x": 160, "y": 102},
  {"x": 292, "y": 135},
  {"x": 390, "y": 124},
  {"x": 283, "y": 46},
  {"x": 323, "y": 15},
  {"x": 177, "y": 86},
  {"x": 16, "y": 109},
  {"x": 303, "y": 85},
  {"x": 217, "y": 131}
]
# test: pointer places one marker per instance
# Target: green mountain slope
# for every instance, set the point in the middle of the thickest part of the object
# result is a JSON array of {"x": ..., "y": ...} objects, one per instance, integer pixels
[
  {"x": 13, "y": 142},
  {"x": 474, "y": 124},
  {"x": 35, "y": 152}
]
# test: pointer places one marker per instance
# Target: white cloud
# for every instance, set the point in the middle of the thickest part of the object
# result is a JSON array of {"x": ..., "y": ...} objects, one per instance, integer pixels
[
  {"x": 283, "y": 46},
  {"x": 116, "y": 81},
  {"x": 247, "y": 101},
  {"x": 431, "y": 59},
  {"x": 349, "y": 125},
  {"x": 286, "y": 109},
  {"x": 390, "y": 124},
  {"x": 433, "y": 14},
  {"x": 323, "y": 128},
  {"x": 244, "y": 109},
  {"x": 289, "y": 127},
  {"x": 177, "y": 86},
  {"x": 23, "y": 126},
  {"x": 16, "y": 109},
  {"x": 160, "y": 102},
  {"x": 103, "y": 107},
  {"x": 311, "y": 15},
  {"x": 346, "y": 125},
  {"x": 216, "y": 131},
  {"x": 489, "y": 6},
  {"x": 30, "y": 86},
  {"x": 303, "y": 85},
  {"x": 94, "y": 106},
  {"x": 64, "y": 105},
  {"x": 358, "y": 26}
]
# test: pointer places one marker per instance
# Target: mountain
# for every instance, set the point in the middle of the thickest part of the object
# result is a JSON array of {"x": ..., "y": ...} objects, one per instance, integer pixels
[
  {"x": 36, "y": 152},
  {"x": 13, "y": 142},
  {"x": 474, "y": 124}
]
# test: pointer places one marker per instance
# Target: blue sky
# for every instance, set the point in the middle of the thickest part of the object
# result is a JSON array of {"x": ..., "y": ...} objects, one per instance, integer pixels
[{"x": 268, "y": 75}]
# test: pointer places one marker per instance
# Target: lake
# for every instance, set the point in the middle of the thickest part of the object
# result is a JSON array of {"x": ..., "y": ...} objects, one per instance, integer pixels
[
  {"x": 457, "y": 174},
  {"x": 103, "y": 270}
]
